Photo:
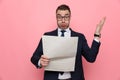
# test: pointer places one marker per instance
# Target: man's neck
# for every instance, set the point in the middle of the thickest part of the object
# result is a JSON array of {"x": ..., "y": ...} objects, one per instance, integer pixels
[{"x": 64, "y": 29}]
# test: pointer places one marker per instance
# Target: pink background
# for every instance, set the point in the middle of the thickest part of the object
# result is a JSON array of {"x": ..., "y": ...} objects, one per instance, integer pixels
[{"x": 23, "y": 22}]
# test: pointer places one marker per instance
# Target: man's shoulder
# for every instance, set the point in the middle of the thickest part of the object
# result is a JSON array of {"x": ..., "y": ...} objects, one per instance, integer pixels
[
  {"x": 77, "y": 33},
  {"x": 53, "y": 32}
]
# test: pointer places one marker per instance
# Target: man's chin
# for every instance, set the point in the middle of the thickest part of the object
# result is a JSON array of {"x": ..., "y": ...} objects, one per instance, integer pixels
[{"x": 63, "y": 27}]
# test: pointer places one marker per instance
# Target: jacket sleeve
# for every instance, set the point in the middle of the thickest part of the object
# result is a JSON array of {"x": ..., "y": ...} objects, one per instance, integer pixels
[
  {"x": 90, "y": 54},
  {"x": 37, "y": 54}
]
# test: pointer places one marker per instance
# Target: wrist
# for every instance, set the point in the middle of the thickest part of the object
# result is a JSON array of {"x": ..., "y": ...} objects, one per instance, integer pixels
[
  {"x": 97, "y": 39},
  {"x": 97, "y": 35},
  {"x": 39, "y": 64}
]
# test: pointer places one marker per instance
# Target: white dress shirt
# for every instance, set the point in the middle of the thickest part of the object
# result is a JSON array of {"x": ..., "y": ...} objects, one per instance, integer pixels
[{"x": 65, "y": 75}]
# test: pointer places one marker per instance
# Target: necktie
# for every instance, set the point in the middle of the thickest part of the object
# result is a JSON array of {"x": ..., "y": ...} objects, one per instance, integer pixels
[
  {"x": 62, "y": 35},
  {"x": 62, "y": 31}
]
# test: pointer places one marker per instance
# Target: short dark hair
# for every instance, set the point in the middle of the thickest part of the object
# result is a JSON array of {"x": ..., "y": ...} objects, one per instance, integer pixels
[{"x": 63, "y": 7}]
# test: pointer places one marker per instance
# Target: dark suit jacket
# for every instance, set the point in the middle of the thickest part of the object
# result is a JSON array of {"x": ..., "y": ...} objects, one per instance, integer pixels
[{"x": 82, "y": 50}]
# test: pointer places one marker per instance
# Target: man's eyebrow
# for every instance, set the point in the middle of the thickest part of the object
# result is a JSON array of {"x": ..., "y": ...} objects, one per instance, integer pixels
[
  {"x": 60, "y": 14},
  {"x": 66, "y": 14}
]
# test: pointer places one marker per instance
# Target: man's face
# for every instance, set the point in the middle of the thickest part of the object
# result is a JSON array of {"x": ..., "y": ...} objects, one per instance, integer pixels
[{"x": 63, "y": 19}]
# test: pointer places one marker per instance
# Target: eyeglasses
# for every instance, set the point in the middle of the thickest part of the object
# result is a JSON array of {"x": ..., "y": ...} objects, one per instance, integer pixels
[{"x": 66, "y": 18}]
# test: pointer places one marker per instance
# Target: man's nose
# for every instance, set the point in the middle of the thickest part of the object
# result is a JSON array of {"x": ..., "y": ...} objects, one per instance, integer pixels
[{"x": 63, "y": 19}]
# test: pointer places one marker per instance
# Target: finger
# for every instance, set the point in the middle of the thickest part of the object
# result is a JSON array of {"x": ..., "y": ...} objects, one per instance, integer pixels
[
  {"x": 44, "y": 57},
  {"x": 103, "y": 20},
  {"x": 44, "y": 63},
  {"x": 45, "y": 60}
]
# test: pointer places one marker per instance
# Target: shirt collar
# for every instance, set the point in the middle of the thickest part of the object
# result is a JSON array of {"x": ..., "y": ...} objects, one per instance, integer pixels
[{"x": 67, "y": 30}]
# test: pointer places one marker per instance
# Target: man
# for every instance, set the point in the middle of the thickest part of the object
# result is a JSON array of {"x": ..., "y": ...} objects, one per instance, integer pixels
[{"x": 63, "y": 15}]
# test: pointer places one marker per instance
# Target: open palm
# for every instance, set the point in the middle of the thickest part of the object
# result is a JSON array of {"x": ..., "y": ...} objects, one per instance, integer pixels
[{"x": 100, "y": 25}]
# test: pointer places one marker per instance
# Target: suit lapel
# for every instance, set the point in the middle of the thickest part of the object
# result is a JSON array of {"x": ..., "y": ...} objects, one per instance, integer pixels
[
  {"x": 72, "y": 33},
  {"x": 54, "y": 33}
]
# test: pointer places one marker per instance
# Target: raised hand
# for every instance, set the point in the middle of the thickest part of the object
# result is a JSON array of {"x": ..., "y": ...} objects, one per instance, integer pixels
[{"x": 99, "y": 26}]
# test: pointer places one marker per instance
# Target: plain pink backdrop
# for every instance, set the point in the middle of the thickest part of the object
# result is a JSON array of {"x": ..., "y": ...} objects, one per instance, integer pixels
[{"x": 23, "y": 22}]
